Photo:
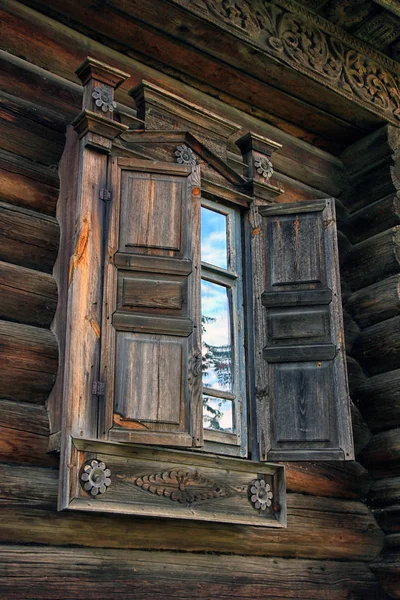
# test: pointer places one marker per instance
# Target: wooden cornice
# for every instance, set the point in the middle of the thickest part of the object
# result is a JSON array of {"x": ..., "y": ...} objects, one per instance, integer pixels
[{"x": 297, "y": 37}]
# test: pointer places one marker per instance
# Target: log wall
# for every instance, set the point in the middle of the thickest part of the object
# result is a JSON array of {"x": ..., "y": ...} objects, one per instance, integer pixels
[
  {"x": 372, "y": 273},
  {"x": 331, "y": 538}
]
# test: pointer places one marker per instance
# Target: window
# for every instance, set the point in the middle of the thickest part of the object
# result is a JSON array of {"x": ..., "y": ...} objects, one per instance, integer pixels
[
  {"x": 180, "y": 267},
  {"x": 222, "y": 324}
]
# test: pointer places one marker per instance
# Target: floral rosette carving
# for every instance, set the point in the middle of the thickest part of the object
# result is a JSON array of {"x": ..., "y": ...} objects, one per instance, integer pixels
[
  {"x": 264, "y": 167},
  {"x": 95, "y": 477},
  {"x": 103, "y": 98},
  {"x": 184, "y": 155},
  {"x": 260, "y": 494}
]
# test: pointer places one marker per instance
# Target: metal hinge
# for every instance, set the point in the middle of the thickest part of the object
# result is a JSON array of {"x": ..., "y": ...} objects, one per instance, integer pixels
[
  {"x": 105, "y": 194},
  {"x": 98, "y": 388}
]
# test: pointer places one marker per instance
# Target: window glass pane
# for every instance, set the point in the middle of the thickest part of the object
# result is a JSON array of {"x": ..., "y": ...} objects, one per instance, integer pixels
[
  {"x": 217, "y": 414},
  {"x": 213, "y": 238},
  {"x": 216, "y": 335}
]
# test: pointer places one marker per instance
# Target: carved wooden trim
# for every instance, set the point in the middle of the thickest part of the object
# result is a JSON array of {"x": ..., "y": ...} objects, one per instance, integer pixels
[{"x": 313, "y": 46}]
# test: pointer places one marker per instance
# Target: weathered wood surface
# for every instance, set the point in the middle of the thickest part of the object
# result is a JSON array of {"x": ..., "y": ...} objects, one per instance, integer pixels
[
  {"x": 356, "y": 375},
  {"x": 385, "y": 492},
  {"x": 361, "y": 432},
  {"x": 382, "y": 455},
  {"x": 388, "y": 518},
  {"x": 59, "y": 49},
  {"x": 373, "y": 219},
  {"x": 24, "y": 416},
  {"x": 379, "y": 399},
  {"x": 369, "y": 187},
  {"x": 28, "y": 184},
  {"x": 28, "y": 238},
  {"x": 376, "y": 302},
  {"x": 30, "y": 131},
  {"x": 43, "y": 574},
  {"x": 28, "y": 362},
  {"x": 378, "y": 347},
  {"x": 373, "y": 260},
  {"x": 26, "y": 295},
  {"x": 120, "y": 24},
  {"x": 317, "y": 527},
  {"x": 351, "y": 331},
  {"x": 388, "y": 574}
]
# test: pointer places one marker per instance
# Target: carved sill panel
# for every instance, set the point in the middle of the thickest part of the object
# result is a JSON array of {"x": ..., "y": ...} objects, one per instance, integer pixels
[
  {"x": 175, "y": 484},
  {"x": 313, "y": 46}
]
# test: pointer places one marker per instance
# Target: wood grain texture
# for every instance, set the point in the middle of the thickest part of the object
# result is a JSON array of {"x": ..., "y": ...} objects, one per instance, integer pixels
[
  {"x": 321, "y": 528},
  {"x": 28, "y": 184},
  {"x": 80, "y": 573},
  {"x": 28, "y": 362},
  {"x": 382, "y": 455},
  {"x": 26, "y": 295},
  {"x": 378, "y": 347},
  {"x": 379, "y": 399},
  {"x": 373, "y": 219},
  {"x": 376, "y": 302},
  {"x": 28, "y": 238}
]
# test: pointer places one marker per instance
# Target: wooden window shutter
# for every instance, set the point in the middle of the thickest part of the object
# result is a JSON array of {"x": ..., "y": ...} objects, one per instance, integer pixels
[
  {"x": 151, "y": 356},
  {"x": 303, "y": 408}
]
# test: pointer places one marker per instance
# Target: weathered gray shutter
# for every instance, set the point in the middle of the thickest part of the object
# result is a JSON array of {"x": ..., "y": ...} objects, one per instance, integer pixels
[
  {"x": 151, "y": 356},
  {"x": 307, "y": 400}
]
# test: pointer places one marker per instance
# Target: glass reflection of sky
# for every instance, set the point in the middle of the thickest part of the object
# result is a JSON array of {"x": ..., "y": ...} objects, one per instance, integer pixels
[
  {"x": 213, "y": 238},
  {"x": 217, "y": 414},
  {"x": 216, "y": 336}
]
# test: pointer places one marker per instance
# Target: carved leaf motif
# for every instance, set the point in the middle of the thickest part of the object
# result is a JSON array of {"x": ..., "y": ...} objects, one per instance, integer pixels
[{"x": 183, "y": 486}]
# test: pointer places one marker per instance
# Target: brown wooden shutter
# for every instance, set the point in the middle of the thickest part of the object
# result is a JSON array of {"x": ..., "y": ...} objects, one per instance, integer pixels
[
  {"x": 151, "y": 356},
  {"x": 303, "y": 362}
]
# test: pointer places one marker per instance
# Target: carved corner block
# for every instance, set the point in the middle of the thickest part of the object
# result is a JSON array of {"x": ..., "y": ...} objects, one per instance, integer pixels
[
  {"x": 150, "y": 481},
  {"x": 99, "y": 81},
  {"x": 257, "y": 151}
]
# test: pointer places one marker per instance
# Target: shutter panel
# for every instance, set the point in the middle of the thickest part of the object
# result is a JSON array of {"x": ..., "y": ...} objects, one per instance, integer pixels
[
  {"x": 303, "y": 348},
  {"x": 151, "y": 356}
]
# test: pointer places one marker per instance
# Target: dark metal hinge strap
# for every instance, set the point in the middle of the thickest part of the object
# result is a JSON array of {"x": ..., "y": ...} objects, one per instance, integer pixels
[
  {"x": 105, "y": 194},
  {"x": 98, "y": 388}
]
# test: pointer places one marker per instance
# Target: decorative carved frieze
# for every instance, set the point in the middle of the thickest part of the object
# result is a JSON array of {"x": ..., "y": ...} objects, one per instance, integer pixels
[
  {"x": 184, "y": 486},
  {"x": 314, "y": 46},
  {"x": 380, "y": 31}
]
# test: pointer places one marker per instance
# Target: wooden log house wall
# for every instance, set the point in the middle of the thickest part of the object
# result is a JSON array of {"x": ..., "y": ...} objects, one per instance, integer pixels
[{"x": 342, "y": 539}]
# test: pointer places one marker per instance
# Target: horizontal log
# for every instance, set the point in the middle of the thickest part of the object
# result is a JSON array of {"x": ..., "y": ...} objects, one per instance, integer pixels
[
  {"x": 344, "y": 246},
  {"x": 378, "y": 347},
  {"x": 385, "y": 492},
  {"x": 27, "y": 238},
  {"x": 27, "y": 296},
  {"x": 376, "y": 302},
  {"x": 373, "y": 219},
  {"x": 379, "y": 399},
  {"x": 369, "y": 187},
  {"x": 388, "y": 575},
  {"x": 30, "y": 131},
  {"x": 24, "y": 416},
  {"x": 373, "y": 260},
  {"x": 382, "y": 455},
  {"x": 388, "y": 518},
  {"x": 58, "y": 49},
  {"x": 317, "y": 527},
  {"x": 28, "y": 184},
  {"x": 28, "y": 362},
  {"x": 355, "y": 374},
  {"x": 86, "y": 573},
  {"x": 351, "y": 331},
  {"x": 361, "y": 432}
]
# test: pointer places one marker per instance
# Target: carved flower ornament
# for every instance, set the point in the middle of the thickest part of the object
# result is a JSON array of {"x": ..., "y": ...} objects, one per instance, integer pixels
[
  {"x": 260, "y": 494},
  {"x": 103, "y": 98},
  {"x": 184, "y": 155},
  {"x": 264, "y": 167},
  {"x": 95, "y": 477}
]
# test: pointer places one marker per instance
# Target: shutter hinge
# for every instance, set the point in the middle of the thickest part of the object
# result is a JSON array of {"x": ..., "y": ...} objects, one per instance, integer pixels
[
  {"x": 105, "y": 194},
  {"x": 98, "y": 388}
]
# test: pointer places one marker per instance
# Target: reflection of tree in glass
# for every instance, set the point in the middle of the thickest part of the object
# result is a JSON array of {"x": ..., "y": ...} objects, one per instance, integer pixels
[
  {"x": 217, "y": 358},
  {"x": 212, "y": 416}
]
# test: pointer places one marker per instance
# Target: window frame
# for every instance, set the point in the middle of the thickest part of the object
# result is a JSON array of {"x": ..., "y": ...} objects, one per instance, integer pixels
[{"x": 232, "y": 278}]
